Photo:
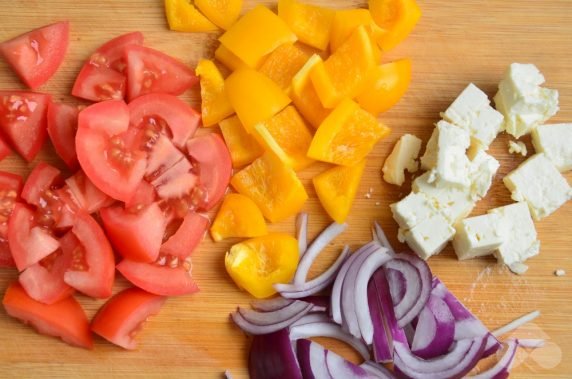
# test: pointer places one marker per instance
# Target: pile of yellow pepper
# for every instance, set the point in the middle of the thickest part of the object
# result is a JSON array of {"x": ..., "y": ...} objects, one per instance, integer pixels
[{"x": 306, "y": 84}]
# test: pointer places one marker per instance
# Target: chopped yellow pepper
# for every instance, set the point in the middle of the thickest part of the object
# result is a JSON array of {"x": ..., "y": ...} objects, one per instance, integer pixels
[
  {"x": 238, "y": 216},
  {"x": 214, "y": 102},
  {"x": 226, "y": 57},
  {"x": 222, "y": 13},
  {"x": 310, "y": 23},
  {"x": 336, "y": 188},
  {"x": 346, "y": 72},
  {"x": 283, "y": 63},
  {"x": 347, "y": 135},
  {"x": 273, "y": 186},
  {"x": 242, "y": 146},
  {"x": 258, "y": 263},
  {"x": 304, "y": 95},
  {"x": 183, "y": 16},
  {"x": 397, "y": 17},
  {"x": 256, "y": 34},
  {"x": 346, "y": 21},
  {"x": 287, "y": 136},
  {"x": 388, "y": 84},
  {"x": 254, "y": 96}
]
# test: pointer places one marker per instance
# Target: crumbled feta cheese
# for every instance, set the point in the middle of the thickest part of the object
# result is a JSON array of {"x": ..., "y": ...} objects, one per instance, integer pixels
[
  {"x": 452, "y": 166},
  {"x": 477, "y": 236},
  {"x": 430, "y": 236},
  {"x": 412, "y": 210},
  {"x": 482, "y": 171},
  {"x": 429, "y": 158},
  {"x": 403, "y": 157},
  {"x": 555, "y": 141},
  {"x": 560, "y": 272},
  {"x": 517, "y": 148}
]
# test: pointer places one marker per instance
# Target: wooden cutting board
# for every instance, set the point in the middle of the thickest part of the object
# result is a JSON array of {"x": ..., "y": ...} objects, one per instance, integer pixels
[{"x": 455, "y": 43}]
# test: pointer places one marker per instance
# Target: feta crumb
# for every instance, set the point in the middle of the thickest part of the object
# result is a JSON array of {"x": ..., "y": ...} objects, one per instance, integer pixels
[
  {"x": 555, "y": 142},
  {"x": 403, "y": 157},
  {"x": 429, "y": 158},
  {"x": 477, "y": 236},
  {"x": 482, "y": 171},
  {"x": 452, "y": 165},
  {"x": 559, "y": 272},
  {"x": 517, "y": 148}
]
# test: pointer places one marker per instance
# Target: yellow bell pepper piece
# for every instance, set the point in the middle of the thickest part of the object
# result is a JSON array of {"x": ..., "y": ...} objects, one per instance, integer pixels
[
  {"x": 397, "y": 17},
  {"x": 346, "y": 72},
  {"x": 304, "y": 95},
  {"x": 238, "y": 216},
  {"x": 242, "y": 146},
  {"x": 226, "y": 57},
  {"x": 222, "y": 13},
  {"x": 346, "y": 21},
  {"x": 388, "y": 84},
  {"x": 272, "y": 186},
  {"x": 214, "y": 102},
  {"x": 347, "y": 135},
  {"x": 183, "y": 16},
  {"x": 310, "y": 23},
  {"x": 283, "y": 63},
  {"x": 287, "y": 136},
  {"x": 336, "y": 188},
  {"x": 256, "y": 34},
  {"x": 254, "y": 96},
  {"x": 258, "y": 263}
]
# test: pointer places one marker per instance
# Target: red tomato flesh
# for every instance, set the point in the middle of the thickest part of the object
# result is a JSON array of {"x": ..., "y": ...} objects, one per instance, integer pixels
[
  {"x": 42, "y": 178},
  {"x": 187, "y": 237},
  {"x": 62, "y": 127},
  {"x": 88, "y": 197},
  {"x": 4, "y": 149},
  {"x": 10, "y": 188}
]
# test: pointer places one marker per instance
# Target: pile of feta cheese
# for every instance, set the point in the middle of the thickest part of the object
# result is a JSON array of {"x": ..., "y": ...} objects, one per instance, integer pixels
[{"x": 459, "y": 172}]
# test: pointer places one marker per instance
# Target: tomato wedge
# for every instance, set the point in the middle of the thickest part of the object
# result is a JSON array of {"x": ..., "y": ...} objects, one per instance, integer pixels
[
  {"x": 35, "y": 56},
  {"x": 123, "y": 316},
  {"x": 23, "y": 121},
  {"x": 187, "y": 237},
  {"x": 62, "y": 126},
  {"x": 102, "y": 77},
  {"x": 106, "y": 157},
  {"x": 86, "y": 194},
  {"x": 42, "y": 178},
  {"x": 4, "y": 149},
  {"x": 64, "y": 319},
  {"x": 151, "y": 71},
  {"x": 10, "y": 188}
]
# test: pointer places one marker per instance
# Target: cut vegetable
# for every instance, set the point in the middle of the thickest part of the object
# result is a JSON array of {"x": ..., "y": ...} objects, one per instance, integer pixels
[
  {"x": 62, "y": 126},
  {"x": 215, "y": 106},
  {"x": 283, "y": 63},
  {"x": 396, "y": 17},
  {"x": 238, "y": 216},
  {"x": 222, "y": 13},
  {"x": 242, "y": 146},
  {"x": 271, "y": 357},
  {"x": 310, "y": 23},
  {"x": 183, "y": 16}
]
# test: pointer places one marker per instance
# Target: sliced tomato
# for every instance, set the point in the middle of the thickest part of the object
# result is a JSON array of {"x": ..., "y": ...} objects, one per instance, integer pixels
[
  {"x": 29, "y": 243},
  {"x": 162, "y": 280},
  {"x": 23, "y": 121},
  {"x": 4, "y": 149},
  {"x": 176, "y": 182},
  {"x": 89, "y": 198},
  {"x": 214, "y": 166},
  {"x": 36, "y": 56},
  {"x": 187, "y": 237},
  {"x": 123, "y": 316},
  {"x": 64, "y": 319},
  {"x": 135, "y": 235},
  {"x": 62, "y": 127},
  {"x": 92, "y": 271},
  {"x": 151, "y": 71},
  {"x": 42, "y": 178},
  {"x": 144, "y": 195},
  {"x": 113, "y": 165},
  {"x": 102, "y": 77},
  {"x": 162, "y": 156},
  {"x": 10, "y": 188}
]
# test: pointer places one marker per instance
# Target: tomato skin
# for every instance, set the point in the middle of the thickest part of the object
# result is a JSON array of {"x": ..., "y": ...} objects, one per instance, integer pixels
[
  {"x": 187, "y": 237},
  {"x": 144, "y": 195},
  {"x": 62, "y": 127},
  {"x": 159, "y": 280},
  {"x": 43, "y": 177},
  {"x": 121, "y": 316},
  {"x": 4, "y": 149},
  {"x": 10, "y": 188},
  {"x": 64, "y": 319},
  {"x": 37, "y": 55}
]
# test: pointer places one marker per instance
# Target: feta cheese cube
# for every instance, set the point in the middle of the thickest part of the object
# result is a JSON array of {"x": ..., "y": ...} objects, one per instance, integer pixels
[
  {"x": 452, "y": 166},
  {"x": 519, "y": 235},
  {"x": 518, "y": 148},
  {"x": 412, "y": 210},
  {"x": 430, "y": 236},
  {"x": 471, "y": 111},
  {"x": 477, "y": 236},
  {"x": 429, "y": 158},
  {"x": 538, "y": 182},
  {"x": 483, "y": 169},
  {"x": 521, "y": 100},
  {"x": 403, "y": 157},
  {"x": 555, "y": 141}
]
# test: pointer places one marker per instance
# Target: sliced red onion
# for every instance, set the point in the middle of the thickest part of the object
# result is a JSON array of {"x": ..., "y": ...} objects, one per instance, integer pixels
[
  {"x": 491, "y": 346},
  {"x": 270, "y": 304},
  {"x": 382, "y": 344},
  {"x": 502, "y": 368},
  {"x": 311, "y": 318},
  {"x": 435, "y": 330},
  {"x": 270, "y": 318},
  {"x": 227, "y": 374},
  {"x": 531, "y": 343},
  {"x": 302, "y": 232},
  {"x": 321, "y": 303},
  {"x": 319, "y": 243},
  {"x": 516, "y": 323},
  {"x": 271, "y": 357},
  {"x": 398, "y": 285},
  {"x": 297, "y": 291},
  {"x": 265, "y": 328},
  {"x": 382, "y": 238},
  {"x": 377, "y": 370}
]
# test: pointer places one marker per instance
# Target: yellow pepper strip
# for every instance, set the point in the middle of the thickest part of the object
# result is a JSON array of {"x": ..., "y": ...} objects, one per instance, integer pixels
[
  {"x": 397, "y": 17},
  {"x": 183, "y": 16},
  {"x": 346, "y": 72},
  {"x": 272, "y": 186},
  {"x": 283, "y": 63},
  {"x": 238, "y": 216},
  {"x": 254, "y": 96},
  {"x": 304, "y": 95},
  {"x": 242, "y": 146},
  {"x": 336, "y": 188},
  {"x": 347, "y": 135},
  {"x": 222, "y": 13},
  {"x": 256, "y": 34},
  {"x": 214, "y": 102},
  {"x": 226, "y": 57},
  {"x": 258, "y": 263},
  {"x": 388, "y": 84},
  {"x": 287, "y": 136},
  {"x": 346, "y": 21},
  {"x": 310, "y": 23}
]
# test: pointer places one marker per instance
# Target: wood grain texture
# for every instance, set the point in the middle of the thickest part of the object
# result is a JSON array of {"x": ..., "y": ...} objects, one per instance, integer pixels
[{"x": 456, "y": 42}]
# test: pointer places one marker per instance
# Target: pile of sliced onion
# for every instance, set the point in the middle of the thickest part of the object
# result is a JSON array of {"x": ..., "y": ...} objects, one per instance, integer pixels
[{"x": 387, "y": 306}]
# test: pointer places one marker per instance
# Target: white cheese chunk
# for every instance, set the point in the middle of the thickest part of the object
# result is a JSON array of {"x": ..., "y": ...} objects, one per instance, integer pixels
[
  {"x": 477, "y": 236},
  {"x": 482, "y": 171},
  {"x": 403, "y": 157},
  {"x": 429, "y": 158},
  {"x": 517, "y": 148},
  {"x": 521, "y": 100},
  {"x": 555, "y": 141},
  {"x": 519, "y": 235},
  {"x": 412, "y": 210},
  {"x": 540, "y": 184},
  {"x": 430, "y": 236},
  {"x": 452, "y": 166}
]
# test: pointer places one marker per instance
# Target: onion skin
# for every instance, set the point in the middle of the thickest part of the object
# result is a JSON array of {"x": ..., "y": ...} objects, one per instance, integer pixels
[
  {"x": 271, "y": 357},
  {"x": 436, "y": 319}
]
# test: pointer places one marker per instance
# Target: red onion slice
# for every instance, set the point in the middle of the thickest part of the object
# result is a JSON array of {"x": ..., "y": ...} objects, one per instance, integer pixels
[
  {"x": 311, "y": 318},
  {"x": 302, "y": 232},
  {"x": 382, "y": 238},
  {"x": 270, "y": 318},
  {"x": 270, "y": 304},
  {"x": 502, "y": 368},
  {"x": 321, "y": 302},
  {"x": 271, "y": 357},
  {"x": 381, "y": 344},
  {"x": 531, "y": 343},
  {"x": 435, "y": 330},
  {"x": 491, "y": 346},
  {"x": 256, "y": 329},
  {"x": 327, "y": 236},
  {"x": 516, "y": 323},
  {"x": 377, "y": 370}
]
